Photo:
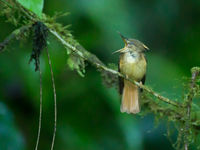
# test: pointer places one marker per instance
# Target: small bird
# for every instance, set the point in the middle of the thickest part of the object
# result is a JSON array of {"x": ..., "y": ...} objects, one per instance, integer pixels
[{"x": 132, "y": 63}]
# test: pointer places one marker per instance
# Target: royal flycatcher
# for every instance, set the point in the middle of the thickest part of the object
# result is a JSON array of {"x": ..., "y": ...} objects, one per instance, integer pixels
[{"x": 132, "y": 63}]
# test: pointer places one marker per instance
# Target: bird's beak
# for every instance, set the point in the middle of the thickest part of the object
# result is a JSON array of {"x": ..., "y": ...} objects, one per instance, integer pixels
[
  {"x": 118, "y": 51},
  {"x": 123, "y": 50}
]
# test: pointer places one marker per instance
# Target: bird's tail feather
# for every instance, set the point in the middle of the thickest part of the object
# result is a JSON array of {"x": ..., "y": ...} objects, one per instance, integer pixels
[{"x": 130, "y": 98}]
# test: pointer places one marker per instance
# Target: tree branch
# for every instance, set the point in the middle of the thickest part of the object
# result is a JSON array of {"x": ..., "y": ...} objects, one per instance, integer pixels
[
  {"x": 195, "y": 72},
  {"x": 80, "y": 51},
  {"x": 98, "y": 64},
  {"x": 16, "y": 33},
  {"x": 6, "y": 3}
]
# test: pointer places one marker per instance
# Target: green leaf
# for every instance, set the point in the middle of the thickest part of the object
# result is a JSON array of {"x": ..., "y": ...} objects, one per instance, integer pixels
[{"x": 35, "y": 6}]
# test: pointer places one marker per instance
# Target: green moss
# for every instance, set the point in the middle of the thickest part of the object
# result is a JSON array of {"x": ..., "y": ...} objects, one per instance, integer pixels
[
  {"x": 187, "y": 126},
  {"x": 195, "y": 69}
]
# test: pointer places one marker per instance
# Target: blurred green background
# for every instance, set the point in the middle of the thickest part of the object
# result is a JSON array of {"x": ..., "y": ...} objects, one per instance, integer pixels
[{"x": 89, "y": 115}]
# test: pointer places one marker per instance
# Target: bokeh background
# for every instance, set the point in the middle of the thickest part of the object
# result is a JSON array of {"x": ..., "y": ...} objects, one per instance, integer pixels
[{"x": 89, "y": 117}]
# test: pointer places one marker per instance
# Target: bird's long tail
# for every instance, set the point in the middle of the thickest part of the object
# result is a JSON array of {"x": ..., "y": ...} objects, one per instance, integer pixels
[{"x": 130, "y": 98}]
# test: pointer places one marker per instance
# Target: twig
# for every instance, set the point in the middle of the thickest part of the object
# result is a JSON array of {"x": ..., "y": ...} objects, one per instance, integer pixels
[
  {"x": 55, "y": 103},
  {"x": 40, "y": 115},
  {"x": 6, "y": 3},
  {"x": 98, "y": 64},
  {"x": 195, "y": 72},
  {"x": 12, "y": 36}
]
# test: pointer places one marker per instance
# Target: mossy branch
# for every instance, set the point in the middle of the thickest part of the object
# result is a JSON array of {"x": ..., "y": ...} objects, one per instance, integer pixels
[
  {"x": 195, "y": 72},
  {"x": 100, "y": 65},
  {"x": 177, "y": 112},
  {"x": 75, "y": 47},
  {"x": 81, "y": 52},
  {"x": 14, "y": 35}
]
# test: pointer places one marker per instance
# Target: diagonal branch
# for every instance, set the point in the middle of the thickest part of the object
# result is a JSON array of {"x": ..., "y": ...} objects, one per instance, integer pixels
[
  {"x": 80, "y": 51},
  {"x": 16, "y": 33},
  {"x": 98, "y": 64},
  {"x": 6, "y": 3}
]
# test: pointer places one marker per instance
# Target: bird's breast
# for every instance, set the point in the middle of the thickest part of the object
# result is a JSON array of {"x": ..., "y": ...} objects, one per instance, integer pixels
[
  {"x": 133, "y": 65},
  {"x": 130, "y": 58}
]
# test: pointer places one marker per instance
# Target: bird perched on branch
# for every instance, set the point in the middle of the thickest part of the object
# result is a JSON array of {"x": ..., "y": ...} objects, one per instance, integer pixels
[{"x": 132, "y": 63}]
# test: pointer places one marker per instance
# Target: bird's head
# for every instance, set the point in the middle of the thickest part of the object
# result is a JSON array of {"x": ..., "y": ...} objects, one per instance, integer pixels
[{"x": 132, "y": 45}]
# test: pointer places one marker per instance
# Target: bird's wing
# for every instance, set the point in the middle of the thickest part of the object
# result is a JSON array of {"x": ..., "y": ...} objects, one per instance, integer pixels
[{"x": 121, "y": 81}]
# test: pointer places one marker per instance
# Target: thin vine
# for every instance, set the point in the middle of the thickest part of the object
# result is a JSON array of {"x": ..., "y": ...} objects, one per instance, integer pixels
[
  {"x": 55, "y": 101},
  {"x": 40, "y": 113}
]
